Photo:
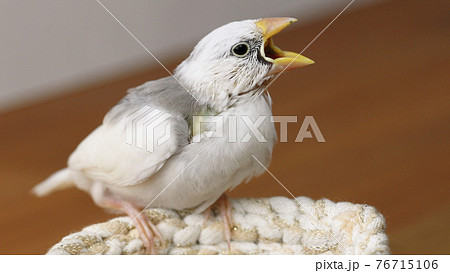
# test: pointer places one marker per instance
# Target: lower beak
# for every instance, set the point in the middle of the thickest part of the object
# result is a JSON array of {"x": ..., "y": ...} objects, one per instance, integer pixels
[{"x": 281, "y": 60}]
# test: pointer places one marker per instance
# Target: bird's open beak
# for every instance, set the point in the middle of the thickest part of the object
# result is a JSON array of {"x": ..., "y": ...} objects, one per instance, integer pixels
[{"x": 281, "y": 60}]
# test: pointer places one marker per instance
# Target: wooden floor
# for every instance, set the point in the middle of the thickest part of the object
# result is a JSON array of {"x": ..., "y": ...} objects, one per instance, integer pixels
[{"x": 379, "y": 91}]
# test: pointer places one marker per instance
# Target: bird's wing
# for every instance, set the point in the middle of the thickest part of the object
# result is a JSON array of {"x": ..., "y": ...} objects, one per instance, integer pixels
[
  {"x": 136, "y": 138},
  {"x": 112, "y": 155}
]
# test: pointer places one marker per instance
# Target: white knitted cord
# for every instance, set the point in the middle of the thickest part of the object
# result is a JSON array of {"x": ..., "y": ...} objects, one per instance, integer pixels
[{"x": 275, "y": 225}]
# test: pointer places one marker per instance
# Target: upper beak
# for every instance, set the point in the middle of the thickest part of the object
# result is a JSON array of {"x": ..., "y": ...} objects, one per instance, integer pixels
[{"x": 281, "y": 60}]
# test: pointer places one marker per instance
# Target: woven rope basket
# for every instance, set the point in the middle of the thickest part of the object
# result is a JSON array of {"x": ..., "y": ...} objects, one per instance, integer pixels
[{"x": 275, "y": 225}]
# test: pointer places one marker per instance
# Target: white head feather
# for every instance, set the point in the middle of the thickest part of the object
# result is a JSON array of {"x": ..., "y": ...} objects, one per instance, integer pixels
[{"x": 214, "y": 74}]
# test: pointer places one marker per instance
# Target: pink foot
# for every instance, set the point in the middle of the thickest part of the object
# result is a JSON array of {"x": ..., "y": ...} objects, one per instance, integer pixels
[
  {"x": 225, "y": 211},
  {"x": 147, "y": 231}
]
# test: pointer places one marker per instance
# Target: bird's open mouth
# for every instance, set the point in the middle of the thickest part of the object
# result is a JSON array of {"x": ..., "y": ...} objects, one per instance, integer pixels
[
  {"x": 281, "y": 60},
  {"x": 271, "y": 52}
]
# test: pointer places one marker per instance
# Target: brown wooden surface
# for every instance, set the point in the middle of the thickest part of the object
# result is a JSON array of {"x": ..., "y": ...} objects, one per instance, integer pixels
[{"x": 379, "y": 91}]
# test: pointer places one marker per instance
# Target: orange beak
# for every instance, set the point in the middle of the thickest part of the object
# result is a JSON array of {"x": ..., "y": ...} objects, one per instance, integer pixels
[{"x": 281, "y": 60}]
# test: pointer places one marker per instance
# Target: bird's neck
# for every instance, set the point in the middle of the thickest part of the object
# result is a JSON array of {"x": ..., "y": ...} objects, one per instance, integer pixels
[
  {"x": 218, "y": 96},
  {"x": 204, "y": 92}
]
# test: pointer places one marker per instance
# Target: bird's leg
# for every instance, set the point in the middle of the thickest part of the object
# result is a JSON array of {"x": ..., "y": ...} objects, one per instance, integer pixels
[
  {"x": 147, "y": 231},
  {"x": 225, "y": 211}
]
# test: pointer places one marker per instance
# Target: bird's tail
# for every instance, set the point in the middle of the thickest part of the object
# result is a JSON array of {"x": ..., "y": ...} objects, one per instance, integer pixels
[{"x": 57, "y": 181}]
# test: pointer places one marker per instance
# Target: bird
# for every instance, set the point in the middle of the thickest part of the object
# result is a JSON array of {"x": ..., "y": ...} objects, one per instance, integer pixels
[{"x": 158, "y": 148}]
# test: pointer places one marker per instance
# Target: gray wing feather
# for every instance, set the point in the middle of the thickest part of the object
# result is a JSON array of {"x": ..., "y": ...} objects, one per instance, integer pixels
[
  {"x": 108, "y": 156},
  {"x": 166, "y": 94}
]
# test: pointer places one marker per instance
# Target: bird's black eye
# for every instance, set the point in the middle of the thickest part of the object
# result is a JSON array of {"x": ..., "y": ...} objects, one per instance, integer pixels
[{"x": 240, "y": 49}]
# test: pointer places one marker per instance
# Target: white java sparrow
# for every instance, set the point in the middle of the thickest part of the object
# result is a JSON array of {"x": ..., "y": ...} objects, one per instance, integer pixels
[{"x": 225, "y": 76}]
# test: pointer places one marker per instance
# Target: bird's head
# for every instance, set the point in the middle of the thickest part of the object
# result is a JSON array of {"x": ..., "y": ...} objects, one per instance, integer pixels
[{"x": 237, "y": 59}]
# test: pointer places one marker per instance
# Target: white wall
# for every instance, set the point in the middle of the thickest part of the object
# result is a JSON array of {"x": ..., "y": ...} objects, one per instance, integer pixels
[{"x": 49, "y": 46}]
